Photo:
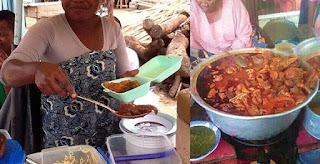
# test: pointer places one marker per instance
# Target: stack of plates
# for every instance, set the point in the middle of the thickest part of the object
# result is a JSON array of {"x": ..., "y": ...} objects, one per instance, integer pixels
[{"x": 151, "y": 124}]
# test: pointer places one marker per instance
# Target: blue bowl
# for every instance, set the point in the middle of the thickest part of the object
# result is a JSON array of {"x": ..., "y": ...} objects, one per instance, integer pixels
[
  {"x": 217, "y": 133},
  {"x": 310, "y": 157},
  {"x": 311, "y": 120}
]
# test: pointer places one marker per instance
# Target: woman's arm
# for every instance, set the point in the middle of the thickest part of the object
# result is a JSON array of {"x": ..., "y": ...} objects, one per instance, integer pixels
[
  {"x": 194, "y": 30},
  {"x": 243, "y": 29},
  {"x": 50, "y": 78},
  {"x": 23, "y": 67},
  {"x": 194, "y": 44},
  {"x": 31, "y": 49},
  {"x": 17, "y": 73}
]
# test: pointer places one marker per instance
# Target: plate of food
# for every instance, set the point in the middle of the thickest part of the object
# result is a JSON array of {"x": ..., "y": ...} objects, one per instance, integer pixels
[
  {"x": 156, "y": 70},
  {"x": 204, "y": 139},
  {"x": 127, "y": 89}
]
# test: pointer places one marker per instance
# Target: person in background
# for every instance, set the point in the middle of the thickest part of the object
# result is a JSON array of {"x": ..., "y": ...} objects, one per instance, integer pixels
[
  {"x": 6, "y": 31},
  {"x": 286, "y": 5},
  {"x": 68, "y": 55},
  {"x": 308, "y": 19},
  {"x": 6, "y": 42},
  {"x": 313, "y": 17},
  {"x": 219, "y": 25}
]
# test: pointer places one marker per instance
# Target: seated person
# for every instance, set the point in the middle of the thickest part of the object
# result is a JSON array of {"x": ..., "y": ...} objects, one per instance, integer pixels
[
  {"x": 219, "y": 25},
  {"x": 6, "y": 40}
]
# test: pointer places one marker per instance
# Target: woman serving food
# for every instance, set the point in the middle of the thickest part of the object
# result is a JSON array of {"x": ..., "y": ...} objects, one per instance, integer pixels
[{"x": 67, "y": 55}]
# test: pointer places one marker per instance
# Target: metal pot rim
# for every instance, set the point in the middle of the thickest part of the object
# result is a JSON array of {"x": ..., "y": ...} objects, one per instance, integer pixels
[
  {"x": 195, "y": 95},
  {"x": 309, "y": 109}
]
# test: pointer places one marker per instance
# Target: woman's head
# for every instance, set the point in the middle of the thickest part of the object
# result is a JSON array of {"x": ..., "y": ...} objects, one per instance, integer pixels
[
  {"x": 6, "y": 30},
  {"x": 209, "y": 6},
  {"x": 79, "y": 10}
]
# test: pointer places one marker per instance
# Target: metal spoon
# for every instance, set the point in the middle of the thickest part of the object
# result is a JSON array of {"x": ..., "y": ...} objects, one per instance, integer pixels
[
  {"x": 240, "y": 60},
  {"x": 110, "y": 109}
]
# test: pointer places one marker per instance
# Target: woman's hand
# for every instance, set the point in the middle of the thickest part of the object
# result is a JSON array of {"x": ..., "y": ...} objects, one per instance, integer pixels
[
  {"x": 130, "y": 73},
  {"x": 53, "y": 80}
]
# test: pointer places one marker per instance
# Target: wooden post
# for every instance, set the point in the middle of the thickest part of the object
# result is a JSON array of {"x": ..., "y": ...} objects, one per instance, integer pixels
[{"x": 18, "y": 22}]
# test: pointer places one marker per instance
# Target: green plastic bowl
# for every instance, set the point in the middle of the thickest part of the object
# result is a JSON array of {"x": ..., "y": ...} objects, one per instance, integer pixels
[
  {"x": 159, "y": 68},
  {"x": 131, "y": 94}
]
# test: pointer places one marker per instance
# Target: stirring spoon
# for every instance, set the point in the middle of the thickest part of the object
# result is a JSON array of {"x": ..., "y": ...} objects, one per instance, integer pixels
[
  {"x": 240, "y": 60},
  {"x": 110, "y": 109}
]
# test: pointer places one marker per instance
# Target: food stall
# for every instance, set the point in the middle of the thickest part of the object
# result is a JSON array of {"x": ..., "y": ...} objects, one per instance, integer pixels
[
  {"x": 148, "y": 133},
  {"x": 242, "y": 96}
]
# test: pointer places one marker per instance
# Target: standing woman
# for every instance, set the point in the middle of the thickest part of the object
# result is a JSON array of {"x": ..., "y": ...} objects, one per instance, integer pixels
[
  {"x": 219, "y": 25},
  {"x": 67, "y": 55}
]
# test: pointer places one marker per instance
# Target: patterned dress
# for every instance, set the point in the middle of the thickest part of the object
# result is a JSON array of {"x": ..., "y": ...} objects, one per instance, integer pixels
[{"x": 68, "y": 121}]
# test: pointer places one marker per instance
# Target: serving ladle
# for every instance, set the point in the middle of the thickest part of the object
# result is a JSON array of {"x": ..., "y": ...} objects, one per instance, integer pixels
[
  {"x": 240, "y": 60},
  {"x": 112, "y": 110}
]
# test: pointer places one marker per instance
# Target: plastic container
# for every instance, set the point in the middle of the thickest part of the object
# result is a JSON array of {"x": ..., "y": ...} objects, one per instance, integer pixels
[
  {"x": 67, "y": 154},
  {"x": 133, "y": 93},
  {"x": 141, "y": 149},
  {"x": 155, "y": 70},
  {"x": 159, "y": 68},
  {"x": 14, "y": 153},
  {"x": 151, "y": 124}
]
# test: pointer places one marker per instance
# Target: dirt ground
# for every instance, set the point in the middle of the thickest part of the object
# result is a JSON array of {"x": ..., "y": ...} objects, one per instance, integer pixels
[
  {"x": 166, "y": 103},
  {"x": 127, "y": 17}
]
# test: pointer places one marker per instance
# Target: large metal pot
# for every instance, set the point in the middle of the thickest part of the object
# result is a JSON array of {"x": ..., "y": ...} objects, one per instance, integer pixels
[{"x": 245, "y": 127}]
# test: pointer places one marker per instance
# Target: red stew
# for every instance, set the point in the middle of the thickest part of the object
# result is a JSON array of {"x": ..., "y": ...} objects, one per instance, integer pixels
[
  {"x": 129, "y": 109},
  {"x": 269, "y": 84}
]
